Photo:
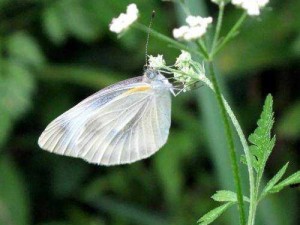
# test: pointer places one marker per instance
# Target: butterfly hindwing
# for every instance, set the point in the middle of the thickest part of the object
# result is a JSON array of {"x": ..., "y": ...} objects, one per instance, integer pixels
[
  {"x": 120, "y": 124},
  {"x": 128, "y": 129}
]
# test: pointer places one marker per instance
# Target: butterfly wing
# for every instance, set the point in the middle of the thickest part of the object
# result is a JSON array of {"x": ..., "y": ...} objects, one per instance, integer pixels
[
  {"x": 131, "y": 128},
  {"x": 61, "y": 134},
  {"x": 114, "y": 126}
]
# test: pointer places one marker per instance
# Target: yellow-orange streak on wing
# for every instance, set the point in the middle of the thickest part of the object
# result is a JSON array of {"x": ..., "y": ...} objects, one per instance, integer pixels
[{"x": 137, "y": 89}]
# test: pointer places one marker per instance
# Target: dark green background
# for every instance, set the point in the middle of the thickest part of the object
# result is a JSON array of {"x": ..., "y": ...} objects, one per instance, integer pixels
[{"x": 55, "y": 53}]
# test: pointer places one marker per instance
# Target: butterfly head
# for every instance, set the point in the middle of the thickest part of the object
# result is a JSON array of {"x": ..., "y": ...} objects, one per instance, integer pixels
[
  {"x": 156, "y": 79},
  {"x": 151, "y": 74}
]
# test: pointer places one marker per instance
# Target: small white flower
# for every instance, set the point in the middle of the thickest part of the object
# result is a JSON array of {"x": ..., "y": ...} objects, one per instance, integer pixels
[
  {"x": 178, "y": 33},
  {"x": 252, "y": 7},
  {"x": 157, "y": 62},
  {"x": 201, "y": 71},
  {"x": 193, "y": 21},
  {"x": 197, "y": 27},
  {"x": 237, "y": 2},
  {"x": 184, "y": 78},
  {"x": 183, "y": 64},
  {"x": 183, "y": 59},
  {"x": 194, "y": 33},
  {"x": 262, "y": 3},
  {"x": 124, "y": 20},
  {"x": 132, "y": 9}
]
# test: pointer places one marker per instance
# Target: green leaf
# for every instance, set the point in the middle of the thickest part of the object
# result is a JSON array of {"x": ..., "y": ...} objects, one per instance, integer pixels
[
  {"x": 24, "y": 48},
  {"x": 262, "y": 143},
  {"x": 78, "y": 21},
  {"x": 296, "y": 46},
  {"x": 226, "y": 196},
  {"x": 212, "y": 215},
  {"x": 79, "y": 216},
  {"x": 14, "y": 204},
  {"x": 274, "y": 180},
  {"x": 293, "y": 179},
  {"x": 14, "y": 101},
  {"x": 16, "y": 87},
  {"x": 54, "y": 24},
  {"x": 128, "y": 212},
  {"x": 5, "y": 127},
  {"x": 243, "y": 159},
  {"x": 3, "y": 2}
]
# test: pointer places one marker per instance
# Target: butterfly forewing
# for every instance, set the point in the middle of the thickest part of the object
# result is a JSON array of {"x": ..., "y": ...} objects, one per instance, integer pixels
[{"x": 60, "y": 135}]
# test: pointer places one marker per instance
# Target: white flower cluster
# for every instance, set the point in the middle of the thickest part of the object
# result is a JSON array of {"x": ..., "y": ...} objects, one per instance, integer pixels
[
  {"x": 183, "y": 60},
  {"x": 251, "y": 6},
  {"x": 124, "y": 20},
  {"x": 186, "y": 67},
  {"x": 156, "y": 62},
  {"x": 196, "y": 28},
  {"x": 187, "y": 72}
]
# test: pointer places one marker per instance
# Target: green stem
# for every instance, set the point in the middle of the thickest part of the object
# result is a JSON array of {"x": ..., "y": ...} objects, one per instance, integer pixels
[
  {"x": 243, "y": 140},
  {"x": 232, "y": 152},
  {"x": 251, "y": 219},
  {"x": 252, "y": 207},
  {"x": 185, "y": 8},
  {"x": 231, "y": 34},
  {"x": 218, "y": 26},
  {"x": 166, "y": 39},
  {"x": 202, "y": 49},
  {"x": 253, "y": 197}
]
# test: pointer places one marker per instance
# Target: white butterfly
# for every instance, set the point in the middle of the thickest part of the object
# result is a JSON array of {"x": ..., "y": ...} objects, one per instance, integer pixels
[{"x": 120, "y": 124}]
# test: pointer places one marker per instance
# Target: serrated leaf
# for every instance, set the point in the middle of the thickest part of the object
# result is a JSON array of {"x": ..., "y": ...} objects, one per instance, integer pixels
[
  {"x": 262, "y": 143},
  {"x": 274, "y": 180},
  {"x": 212, "y": 215},
  {"x": 293, "y": 179},
  {"x": 226, "y": 196}
]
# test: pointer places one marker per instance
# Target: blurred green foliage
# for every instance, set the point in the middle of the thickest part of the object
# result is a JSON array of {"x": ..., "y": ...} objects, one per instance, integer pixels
[{"x": 55, "y": 53}]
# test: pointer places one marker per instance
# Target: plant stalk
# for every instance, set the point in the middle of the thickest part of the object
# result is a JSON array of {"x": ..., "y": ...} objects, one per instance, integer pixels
[
  {"x": 202, "y": 49},
  {"x": 231, "y": 148},
  {"x": 218, "y": 26},
  {"x": 231, "y": 34},
  {"x": 165, "y": 38}
]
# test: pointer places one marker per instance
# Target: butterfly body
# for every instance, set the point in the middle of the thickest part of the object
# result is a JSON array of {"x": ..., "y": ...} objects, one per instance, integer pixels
[{"x": 122, "y": 123}]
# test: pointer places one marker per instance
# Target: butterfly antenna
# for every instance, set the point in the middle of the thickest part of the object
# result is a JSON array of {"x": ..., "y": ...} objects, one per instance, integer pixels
[{"x": 148, "y": 36}]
